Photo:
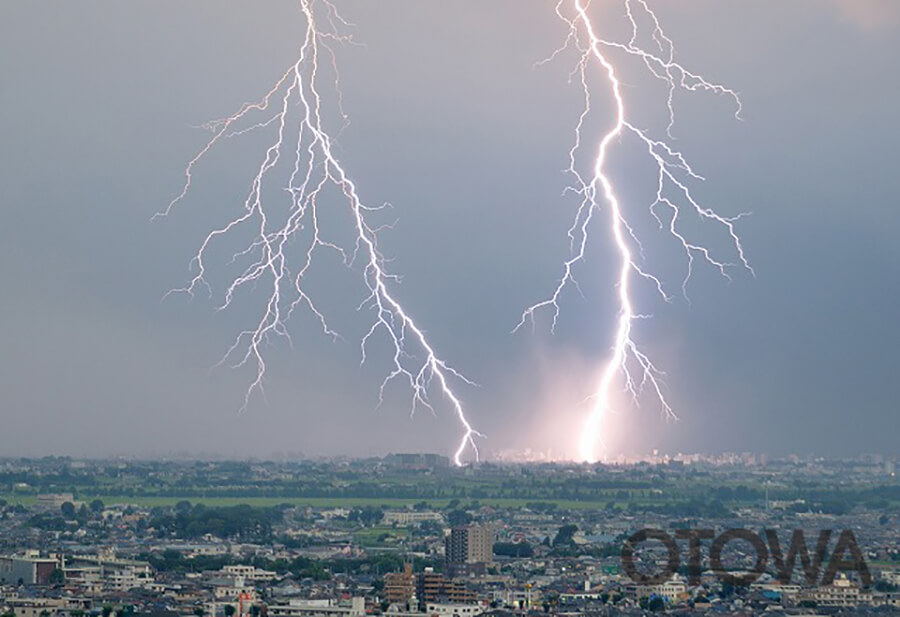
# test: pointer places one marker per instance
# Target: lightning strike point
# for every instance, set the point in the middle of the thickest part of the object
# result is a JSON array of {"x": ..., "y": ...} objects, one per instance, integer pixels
[{"x": 626, "y": 362}]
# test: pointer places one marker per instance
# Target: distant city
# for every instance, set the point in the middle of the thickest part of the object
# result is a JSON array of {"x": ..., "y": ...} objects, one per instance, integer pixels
[{"x": 411, "y": 535}]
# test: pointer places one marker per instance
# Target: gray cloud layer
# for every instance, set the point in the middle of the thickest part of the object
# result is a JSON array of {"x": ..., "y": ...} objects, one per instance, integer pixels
[{"x": 453, "y": 125}]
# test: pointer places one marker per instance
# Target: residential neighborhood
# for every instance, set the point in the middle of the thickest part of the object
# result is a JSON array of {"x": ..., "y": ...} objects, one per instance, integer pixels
[{"x": 75, "y": 544}]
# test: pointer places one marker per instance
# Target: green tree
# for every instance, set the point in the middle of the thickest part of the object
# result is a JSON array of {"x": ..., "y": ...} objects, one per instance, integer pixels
[
  {"x": 57, "y": 577},
  {"x": 565, "y": 535},
  {"x": 230, "y": 610},
  {"x": 316, "y": 572},
  {"x": 656, "y": 604},
  {"x": 68, "y": 510},
  {"x": 83, "y": 514},
  {"x": 513, "y": 549},
  {"x": 458, "y": 518},
  {"x": 97, "y": 506}
]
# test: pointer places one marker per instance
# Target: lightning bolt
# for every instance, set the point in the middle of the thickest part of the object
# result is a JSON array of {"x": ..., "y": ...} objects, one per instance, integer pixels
[
  {"x": 295, "y": 103},
  {"x": 627, "y": 362}
]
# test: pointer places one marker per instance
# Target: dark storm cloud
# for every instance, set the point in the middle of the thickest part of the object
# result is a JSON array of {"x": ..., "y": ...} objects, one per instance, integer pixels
[{"x": 454, "y": 126}]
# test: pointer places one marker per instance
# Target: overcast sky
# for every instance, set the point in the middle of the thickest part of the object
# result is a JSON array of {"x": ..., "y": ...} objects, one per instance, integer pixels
[{"x": 453, "y": 124}]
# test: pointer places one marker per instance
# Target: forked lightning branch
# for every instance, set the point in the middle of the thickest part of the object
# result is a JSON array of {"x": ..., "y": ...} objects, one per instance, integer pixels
[{"x": 294, "y": 112}]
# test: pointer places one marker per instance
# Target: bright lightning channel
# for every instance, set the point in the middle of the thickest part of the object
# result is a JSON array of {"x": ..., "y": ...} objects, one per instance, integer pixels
[
  {"x": 296, "y": 98},
  {"x": 627, "y": 362}
]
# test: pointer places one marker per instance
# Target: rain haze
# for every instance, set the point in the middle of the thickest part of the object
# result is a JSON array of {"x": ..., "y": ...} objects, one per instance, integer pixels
[{"x": 453, "y": 121}]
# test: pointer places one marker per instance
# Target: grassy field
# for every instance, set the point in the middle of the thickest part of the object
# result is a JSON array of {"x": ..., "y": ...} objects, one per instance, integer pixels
[{"x": 371, "y": 535}]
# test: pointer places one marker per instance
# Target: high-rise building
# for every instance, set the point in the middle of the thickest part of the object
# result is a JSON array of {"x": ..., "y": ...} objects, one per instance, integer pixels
[
  {"x": 471, "y": 545},
  {"x": 428, "y": 586},
  {"x": 399, "y": 587},
  {"x": 433, "y": 586}
]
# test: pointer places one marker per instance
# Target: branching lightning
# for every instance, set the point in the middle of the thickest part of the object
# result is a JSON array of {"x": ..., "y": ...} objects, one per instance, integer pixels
[
  {"x": 294, "y": 100},
  {"x": 627, "y": 362}
]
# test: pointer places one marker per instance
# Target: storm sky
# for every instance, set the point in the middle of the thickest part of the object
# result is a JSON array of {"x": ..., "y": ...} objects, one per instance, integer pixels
[{"x": 455, "y": 126}]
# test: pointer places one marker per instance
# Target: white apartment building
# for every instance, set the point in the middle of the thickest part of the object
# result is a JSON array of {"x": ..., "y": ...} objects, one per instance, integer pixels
[
  {"x": 453, "y": 610},
  {"x": 249, "y": 573},
  {"x": 410, "y": 517},
  {"x": 319, "y": 608}
]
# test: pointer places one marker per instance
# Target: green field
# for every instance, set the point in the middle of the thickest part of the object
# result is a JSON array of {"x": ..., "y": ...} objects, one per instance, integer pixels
[{"x": 369, "y": 536}]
